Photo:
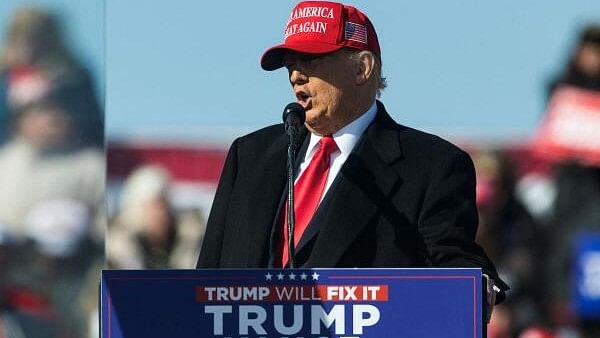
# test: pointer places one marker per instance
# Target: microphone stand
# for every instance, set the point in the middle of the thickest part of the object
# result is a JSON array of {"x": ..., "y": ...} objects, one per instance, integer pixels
[
  {"x": 290, "y": 206},
  {"x": 293, "y": 117}
]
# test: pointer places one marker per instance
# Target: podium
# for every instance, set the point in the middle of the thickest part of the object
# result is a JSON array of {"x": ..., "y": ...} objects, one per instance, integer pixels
[{"x": 275, "y": 303}]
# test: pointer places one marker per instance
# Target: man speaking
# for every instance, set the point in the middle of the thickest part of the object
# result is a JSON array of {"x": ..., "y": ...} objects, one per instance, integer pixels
[{"x": 368, "y": 192}]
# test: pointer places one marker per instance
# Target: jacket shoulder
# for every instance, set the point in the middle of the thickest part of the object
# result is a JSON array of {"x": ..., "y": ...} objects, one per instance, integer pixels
[
  {"x": 263, "y": 135},
  {"x": 417, "y": 143},
  {"x": 414, "y": 140}
]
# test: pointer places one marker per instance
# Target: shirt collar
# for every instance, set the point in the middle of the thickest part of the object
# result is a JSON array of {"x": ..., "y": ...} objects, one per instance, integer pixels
[{"x": 347, "y": 137}]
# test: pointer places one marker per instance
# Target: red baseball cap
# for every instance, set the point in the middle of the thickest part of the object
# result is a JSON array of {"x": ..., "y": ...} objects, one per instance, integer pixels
[{"x": 320, "y": 27}]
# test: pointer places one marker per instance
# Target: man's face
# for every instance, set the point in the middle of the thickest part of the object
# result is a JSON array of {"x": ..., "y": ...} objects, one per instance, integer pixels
[{"x": 323, "y": 85}]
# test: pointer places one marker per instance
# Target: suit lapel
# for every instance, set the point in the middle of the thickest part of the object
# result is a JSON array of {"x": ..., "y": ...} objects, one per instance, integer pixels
[
  {"x": 365, "y": 180},
  {"x": 277, "y": 223},
  {"x": 270, "y": 178}
]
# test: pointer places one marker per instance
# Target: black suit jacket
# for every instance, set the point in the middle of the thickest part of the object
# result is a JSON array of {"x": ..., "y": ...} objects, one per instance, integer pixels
[{"x": 403, "y": 198}]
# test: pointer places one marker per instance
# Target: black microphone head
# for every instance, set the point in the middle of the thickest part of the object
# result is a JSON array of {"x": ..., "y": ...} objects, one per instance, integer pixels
[{"x": 293, "y": 116}]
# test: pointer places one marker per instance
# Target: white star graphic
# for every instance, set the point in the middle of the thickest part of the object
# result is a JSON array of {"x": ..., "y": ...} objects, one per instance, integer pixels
[
  {"x": 269, "y": 276},
  {"x": 315, "y": 276},
  {"x": 280, "y": 276},
  {"x": 303, "y": 276},
  {"x": 292, "y": 276}
]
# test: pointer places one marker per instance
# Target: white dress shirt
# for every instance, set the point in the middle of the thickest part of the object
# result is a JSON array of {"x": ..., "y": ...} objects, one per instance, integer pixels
[{"x": 345, "y": 138}]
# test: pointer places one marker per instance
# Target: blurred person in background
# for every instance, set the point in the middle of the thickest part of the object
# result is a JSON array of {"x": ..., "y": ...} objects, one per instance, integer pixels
[
  {"x": 35, "y": 43},
  {"x": 54, "y": 243},
  {"x": 583, "y": 68},
  {"x": 147, "y": 232},
  {"x": 509, "y": 235},
  {"x": 42, "y": 162}
]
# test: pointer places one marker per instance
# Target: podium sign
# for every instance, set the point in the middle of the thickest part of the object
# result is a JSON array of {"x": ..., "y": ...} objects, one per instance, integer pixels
[{"x": 306, "y": 303}]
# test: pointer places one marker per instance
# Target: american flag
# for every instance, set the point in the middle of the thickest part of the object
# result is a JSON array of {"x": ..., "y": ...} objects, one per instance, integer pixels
[{"x": 355, "y": 32}]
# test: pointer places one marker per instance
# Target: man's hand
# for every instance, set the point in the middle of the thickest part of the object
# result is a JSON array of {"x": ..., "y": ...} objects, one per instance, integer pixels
[{"x": 490, "y": 293}]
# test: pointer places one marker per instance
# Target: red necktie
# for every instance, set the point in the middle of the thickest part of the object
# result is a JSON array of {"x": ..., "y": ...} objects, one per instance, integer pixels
[{"x": 308, "y": 191}]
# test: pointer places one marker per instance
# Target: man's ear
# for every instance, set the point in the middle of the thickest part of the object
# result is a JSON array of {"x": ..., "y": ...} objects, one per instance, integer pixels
[{"x": 365, "y": 67}]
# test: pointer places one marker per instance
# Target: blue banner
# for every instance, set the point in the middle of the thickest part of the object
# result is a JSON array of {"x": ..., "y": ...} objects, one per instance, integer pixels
[
  {"x": 587, "y": 276},
  {"x": 308, "y": 303}
]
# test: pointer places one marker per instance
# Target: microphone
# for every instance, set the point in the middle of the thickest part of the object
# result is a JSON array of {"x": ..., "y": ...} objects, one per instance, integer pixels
[{"x": 293, "y": 117}]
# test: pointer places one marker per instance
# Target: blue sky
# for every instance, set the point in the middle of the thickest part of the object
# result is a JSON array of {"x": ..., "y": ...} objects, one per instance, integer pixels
[{"x": 188, "y": 70}]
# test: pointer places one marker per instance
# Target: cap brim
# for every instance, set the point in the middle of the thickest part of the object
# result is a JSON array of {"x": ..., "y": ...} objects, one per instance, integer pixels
[{"x": 273, "y": 58}]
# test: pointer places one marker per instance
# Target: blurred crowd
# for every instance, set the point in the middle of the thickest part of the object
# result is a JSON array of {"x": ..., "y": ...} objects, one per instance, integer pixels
[
  {"x": 532, "y": 220},
  {"x": 53, "y": 217}
]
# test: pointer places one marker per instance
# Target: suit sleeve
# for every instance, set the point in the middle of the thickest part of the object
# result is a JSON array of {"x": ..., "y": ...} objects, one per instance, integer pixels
[
  {"x": 210, "y": 254},
  {"x": 448, "y": 221}
]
